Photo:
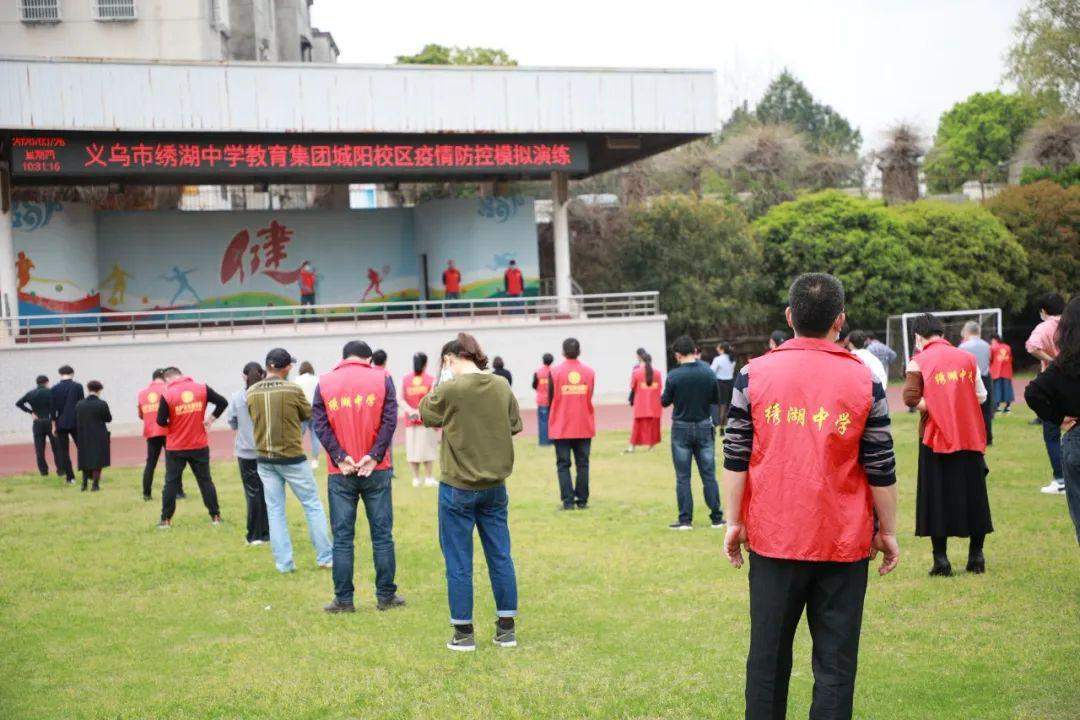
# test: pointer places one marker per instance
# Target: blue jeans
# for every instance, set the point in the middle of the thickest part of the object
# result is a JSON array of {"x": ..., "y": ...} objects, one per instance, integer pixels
[
  {"x": 695, "y": 441},
  {"x": 274, "y": 476},
  {"x": 1052, "y": 438},
  {"x": 307, "y": 428},
  {"x": 542, "y": 424},
  {"x": 345, "y": 492},
  {"x": 1070, "y": 457},
  {"x": 486, "y": 510}
]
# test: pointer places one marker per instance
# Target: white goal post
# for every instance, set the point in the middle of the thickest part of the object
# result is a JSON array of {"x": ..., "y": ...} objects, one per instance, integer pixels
[{"x": 898, "y": 336}]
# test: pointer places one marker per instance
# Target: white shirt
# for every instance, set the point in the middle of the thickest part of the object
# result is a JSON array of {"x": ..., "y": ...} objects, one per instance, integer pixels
[
  {"x": 876, "y": 368},
  {"x": 723, "y": 367},
  {"x": 308, "y": 382}
]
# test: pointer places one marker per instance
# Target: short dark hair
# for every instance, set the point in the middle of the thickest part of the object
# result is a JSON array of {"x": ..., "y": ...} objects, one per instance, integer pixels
[
  {"x": 779, "y": 337},
  {"x": 858, "y": 339},
  {"x": 378, "y": 358},
  {"x": 1052, "y": 304},
  {"x": 66, "y": 370},
  {"x": 306, "y": 368},
  {"x": 95, "y": 386},
  {"x": 816, "y": 300},
  {"x": 571, "y": 348},
  {"x": 927, "y": 326},
  {"x": 684, "y": 345},
  {"x": 548, "y": 358},
  {"x": 497, "y": 363},
  {"x": 845, "y": 331},
  {"x": 42, "y": 379},
  {"x": 158, "y": 374},
  {"x": 171, "y": 370},
  {"x": 356, "y": 348}
]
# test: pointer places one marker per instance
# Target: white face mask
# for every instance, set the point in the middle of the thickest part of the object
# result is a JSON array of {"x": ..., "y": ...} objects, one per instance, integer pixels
[{"x": 446, "y": 374}]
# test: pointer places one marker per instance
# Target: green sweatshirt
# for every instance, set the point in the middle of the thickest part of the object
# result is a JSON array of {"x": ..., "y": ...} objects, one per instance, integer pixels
[
  {"x": 478, "y": 415},
  {"x": 277, "y": 407}
]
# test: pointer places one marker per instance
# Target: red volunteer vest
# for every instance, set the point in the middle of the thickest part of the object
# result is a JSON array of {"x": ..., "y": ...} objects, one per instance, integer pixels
[
  {"x": 1001, "y": 363},
  {"x": 543, "y": 381},
  {"x": 452, "y": 280},
  {"x": 307, "y": 282},
  {"x": 354, "y": 393},
  {"x": 572, "y": 416},
  {"x": 413, "y": 388},
  {"x": 955, "y": 419},
  {"x": 187, "y": 411},
  {"x": 646, "y": 397},
  {"x": 807, "y": 496},
  {"x": 149, "y": 397},
  {"x": 515, "y": 285}
]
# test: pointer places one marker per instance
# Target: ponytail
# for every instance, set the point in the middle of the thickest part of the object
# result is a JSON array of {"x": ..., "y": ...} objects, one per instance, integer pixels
[
  {"x": 466, "y": 347},
  {"x": 647, "y": 359},
  {"x": 253, "y": 373}
]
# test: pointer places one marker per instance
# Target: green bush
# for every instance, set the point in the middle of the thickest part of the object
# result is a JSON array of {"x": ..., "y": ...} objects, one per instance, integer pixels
[{"x": 1067, "y": 177}]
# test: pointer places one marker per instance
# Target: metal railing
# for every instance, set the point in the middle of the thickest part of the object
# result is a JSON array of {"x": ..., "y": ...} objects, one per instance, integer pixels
[{"x": 63, "y": 328}]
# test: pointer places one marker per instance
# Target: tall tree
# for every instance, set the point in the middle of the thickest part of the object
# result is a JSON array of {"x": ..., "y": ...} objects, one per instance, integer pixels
[
  {"x": 977, "y": 137},
  {"x": 899, "y": 164},
  {"x": 434, "y": 54},
  {"x": 1045, "y": 56},
  {"x": 787, "y": 101}
]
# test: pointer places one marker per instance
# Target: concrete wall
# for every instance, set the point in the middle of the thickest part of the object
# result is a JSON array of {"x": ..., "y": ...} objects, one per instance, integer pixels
[
  {"x": 164, "y": 29},
  {"x": 216, "y": 358},
  {"x": 252, "y": 34}
]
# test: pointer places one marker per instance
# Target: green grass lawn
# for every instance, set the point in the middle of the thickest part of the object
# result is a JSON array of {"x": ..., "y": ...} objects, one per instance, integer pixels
[{"x": 103, "y": 616}]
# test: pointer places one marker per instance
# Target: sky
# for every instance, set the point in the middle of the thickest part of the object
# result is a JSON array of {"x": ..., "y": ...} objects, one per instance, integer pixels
[{"x": 877, "y": 62}]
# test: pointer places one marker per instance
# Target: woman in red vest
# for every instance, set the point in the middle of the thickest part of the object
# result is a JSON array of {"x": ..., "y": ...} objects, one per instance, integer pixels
[
  {"x": 541, "y": 383},
  {"x": 944, "y": 384},
  {"x": 1001, "y": 370},
  {"x": 646, "y": 384},
  {"x": 421, "y": 443}
]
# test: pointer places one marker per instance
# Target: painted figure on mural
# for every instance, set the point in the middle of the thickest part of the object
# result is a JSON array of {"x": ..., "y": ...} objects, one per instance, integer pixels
[
  {"x": 375, "y": 282},
  {"x": 117, "y": 280},
  {"x": 23, "y": 266},
  {"x": 180, "y": 278}
]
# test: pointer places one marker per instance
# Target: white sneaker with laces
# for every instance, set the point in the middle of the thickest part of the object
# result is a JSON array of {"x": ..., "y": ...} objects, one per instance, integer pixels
[
  {"x": 314, "y": 463},
  {"x": 1055, "y": 487},
  {"x": 417, "y": 482},
  {"x": 431, "y": 482}
]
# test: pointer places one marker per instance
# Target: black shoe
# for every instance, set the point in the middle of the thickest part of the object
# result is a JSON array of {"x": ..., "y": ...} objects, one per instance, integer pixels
[
  {"x": 389, "y": 603},
  {"x": 337, "y": 607},
  {"x": 95, "y": 488},
  {"x": 583, "y": 506},
  {"x": 567, "y": 506},
  {"x": 147, "y": 498},
  {"x": 942, "y": 567},
  {"x": 976, "y": 563},
  {"x": 680, "y": 526},
  {"x": 505, "y": 637},
  {"x": 83, "y": 488},
  {"x": 45, "y": 474},
  {"x": 181, "y": 496}
]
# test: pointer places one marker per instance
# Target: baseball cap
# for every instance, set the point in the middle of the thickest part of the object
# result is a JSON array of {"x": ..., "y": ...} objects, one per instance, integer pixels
[{"x": 279, "y": 358}]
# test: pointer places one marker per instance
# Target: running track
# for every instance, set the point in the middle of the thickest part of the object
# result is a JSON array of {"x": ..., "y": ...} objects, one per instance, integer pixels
[{"x": 130, "y": 451}]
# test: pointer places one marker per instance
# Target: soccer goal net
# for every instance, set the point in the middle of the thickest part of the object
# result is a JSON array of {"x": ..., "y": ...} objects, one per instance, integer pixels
[{"x": 901, "y": 339}]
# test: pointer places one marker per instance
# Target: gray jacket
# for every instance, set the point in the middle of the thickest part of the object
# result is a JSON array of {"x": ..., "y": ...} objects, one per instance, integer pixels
[{"x": 240, "y": 421}]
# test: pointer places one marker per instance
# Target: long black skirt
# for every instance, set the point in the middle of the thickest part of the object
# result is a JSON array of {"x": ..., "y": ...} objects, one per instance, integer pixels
[{"x": 951, "y": 499}]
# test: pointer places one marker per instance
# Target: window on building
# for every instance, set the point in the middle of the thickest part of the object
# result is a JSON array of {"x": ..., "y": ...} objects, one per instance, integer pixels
[
  {"x": 305, "y": 51},
  {"x": 219, "y": 15},
  {"x": 113, "y": 9},
  {"x": 39, "y": 11}
]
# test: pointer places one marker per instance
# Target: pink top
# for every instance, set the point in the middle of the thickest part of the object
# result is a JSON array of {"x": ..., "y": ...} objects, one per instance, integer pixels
[{"x": 1042, "y": 338}]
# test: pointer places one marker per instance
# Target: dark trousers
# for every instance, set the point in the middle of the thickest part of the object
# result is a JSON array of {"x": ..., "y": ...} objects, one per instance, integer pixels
[
  {"x": 307, "y": 300},
  {"x": 578, "y": 490},
  {"x": 199, "y": 461},
  {"x": 63, "y": 454},
  {"x": 258, "y": 524},
  {"x": 345, "y": 492},
  {"x": 1052, "y": 438},
  {"x": 695, "y": 442},
  {"x": 154, "y": 446},
  {"x": 42, "y": 432},
  {"x": 988, "y": 408},
  {"x": 832, "y": 594}
]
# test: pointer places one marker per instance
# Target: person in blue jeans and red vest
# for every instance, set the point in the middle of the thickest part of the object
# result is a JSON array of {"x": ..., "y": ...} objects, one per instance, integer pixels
[
  {"x": 541, "y": 383},
  {"x": 572, "y": 423},
  {"x": 691, "y": 388},
  {"x": 355, "y": 414},
  {"x": 478, "y": 415}
]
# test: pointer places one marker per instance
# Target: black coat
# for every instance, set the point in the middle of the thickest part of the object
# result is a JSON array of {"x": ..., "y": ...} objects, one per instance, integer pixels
[
  {"x": 91, "y": 416},
  {"x": 65, "y": 395}
]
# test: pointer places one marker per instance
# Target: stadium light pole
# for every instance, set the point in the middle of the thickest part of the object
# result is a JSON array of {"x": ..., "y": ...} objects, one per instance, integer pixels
[
  {"x": 9, "y": 297},
  {"x": 560, "y": 223}
]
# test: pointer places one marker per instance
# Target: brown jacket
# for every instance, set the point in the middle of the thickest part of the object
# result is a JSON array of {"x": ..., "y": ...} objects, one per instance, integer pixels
[{"x": 277, "y": 407}]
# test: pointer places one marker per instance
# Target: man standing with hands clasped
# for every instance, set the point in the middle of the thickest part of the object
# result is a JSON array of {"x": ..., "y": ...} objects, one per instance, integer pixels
[
  {"x": 808, "y": 461},
  {"x": 355, "y": 414}
]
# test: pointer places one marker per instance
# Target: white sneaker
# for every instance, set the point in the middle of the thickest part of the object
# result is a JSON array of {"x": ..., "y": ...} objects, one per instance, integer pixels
[
  {"x": 417, "y": 482},
  {"x": 315, "y": 463},
  {"x": 431, "y": 482},
  {"x": 1055, "y": 487}
]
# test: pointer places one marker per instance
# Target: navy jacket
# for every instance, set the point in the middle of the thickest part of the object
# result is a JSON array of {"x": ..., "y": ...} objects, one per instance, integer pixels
[{"x": 65, "y": 395}]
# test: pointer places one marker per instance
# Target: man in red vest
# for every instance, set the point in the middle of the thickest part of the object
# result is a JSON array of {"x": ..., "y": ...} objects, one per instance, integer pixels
[
  {"x": 354, "y": 412},
  {"x": 541, "y": 383},
  {"x": 572, "y": 423},
  {"x": 182, "y": 412},
  {"x": 451, "y": 278},
  {"x": 149, "y": 398},
  {"x": 808, "y": 461}
]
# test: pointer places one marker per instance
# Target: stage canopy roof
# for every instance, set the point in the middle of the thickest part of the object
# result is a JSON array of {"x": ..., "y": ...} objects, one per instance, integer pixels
[{"x": 101, "y": 121}]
